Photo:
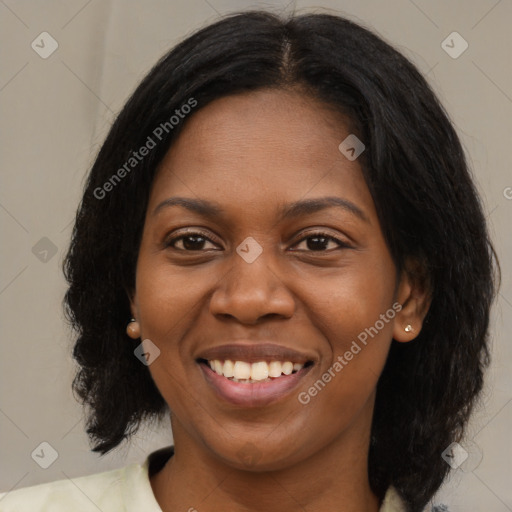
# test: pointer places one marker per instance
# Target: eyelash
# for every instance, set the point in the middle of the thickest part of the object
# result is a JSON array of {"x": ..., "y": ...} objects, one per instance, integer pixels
[{"x": 318, "y": 234}]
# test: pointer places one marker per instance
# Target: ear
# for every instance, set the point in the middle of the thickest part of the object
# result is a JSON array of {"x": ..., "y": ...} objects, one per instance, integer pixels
[
  {"x": 414, "y": 295},
  {"x": 132, "y": 297},
  {"x": 133, "y": 327}
]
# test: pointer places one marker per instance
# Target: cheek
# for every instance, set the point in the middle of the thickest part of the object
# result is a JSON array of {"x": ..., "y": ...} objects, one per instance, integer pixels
[
  {"x": 344, "y": 306},
  {"x": 166, "y": 304},
  {"x": 168, "y": 301},
  {"x": 354, "y": 314},
  {"x": 167, "y": 298}
]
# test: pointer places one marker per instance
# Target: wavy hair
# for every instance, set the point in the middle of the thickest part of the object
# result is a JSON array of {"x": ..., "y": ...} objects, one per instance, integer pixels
[{"x": 424, "y": 194}]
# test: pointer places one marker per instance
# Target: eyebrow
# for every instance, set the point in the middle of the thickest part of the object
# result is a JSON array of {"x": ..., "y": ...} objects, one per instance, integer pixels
[{"x": 292, "y": 210}]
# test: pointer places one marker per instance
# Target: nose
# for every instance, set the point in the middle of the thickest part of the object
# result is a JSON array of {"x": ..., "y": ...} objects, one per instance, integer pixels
[{"x": 251, "y": 292}]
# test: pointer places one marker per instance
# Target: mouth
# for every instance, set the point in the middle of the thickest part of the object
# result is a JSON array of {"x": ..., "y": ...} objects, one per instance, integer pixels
[
  {"x": 254, "y": 377},
  {"x": 251, "y": 373}
]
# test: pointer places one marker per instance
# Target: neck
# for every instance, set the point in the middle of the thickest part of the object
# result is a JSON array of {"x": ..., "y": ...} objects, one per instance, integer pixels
[{"x": 335, "y": 478}]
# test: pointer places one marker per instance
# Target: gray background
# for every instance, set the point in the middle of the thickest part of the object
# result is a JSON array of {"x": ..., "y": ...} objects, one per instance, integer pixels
[{"x": 55, "y": 113}]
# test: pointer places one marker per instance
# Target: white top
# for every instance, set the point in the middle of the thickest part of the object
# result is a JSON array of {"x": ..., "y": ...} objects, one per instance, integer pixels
[{"x": 121, "y": 490}]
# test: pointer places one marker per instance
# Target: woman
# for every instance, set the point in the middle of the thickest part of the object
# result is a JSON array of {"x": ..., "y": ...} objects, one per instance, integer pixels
[{"x": 281, "y": 244}]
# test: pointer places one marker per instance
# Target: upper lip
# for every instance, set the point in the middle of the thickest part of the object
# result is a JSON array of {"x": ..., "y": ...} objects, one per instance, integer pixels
[{"x": 254, "y": 352}]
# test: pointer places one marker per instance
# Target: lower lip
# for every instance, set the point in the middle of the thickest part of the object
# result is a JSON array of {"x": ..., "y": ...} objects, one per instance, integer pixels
[{"x": 254, "y": 394}]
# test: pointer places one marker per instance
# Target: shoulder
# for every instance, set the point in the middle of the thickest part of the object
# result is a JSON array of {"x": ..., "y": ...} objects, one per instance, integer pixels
[
  {"x": 83, "y": 493},
  {"x": 392, "y": 502},
  {"x": 108, "y": 491}
]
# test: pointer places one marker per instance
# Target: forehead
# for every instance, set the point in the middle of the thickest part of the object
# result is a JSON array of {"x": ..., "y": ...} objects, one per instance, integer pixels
[{"x": 261, "y": 145}]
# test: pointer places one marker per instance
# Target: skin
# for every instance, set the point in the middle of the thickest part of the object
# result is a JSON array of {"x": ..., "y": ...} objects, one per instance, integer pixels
[{"x": 253, "y": 153}]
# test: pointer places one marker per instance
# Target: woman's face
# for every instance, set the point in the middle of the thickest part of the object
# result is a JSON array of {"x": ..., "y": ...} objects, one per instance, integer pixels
[{"x": 278, "y": 256}]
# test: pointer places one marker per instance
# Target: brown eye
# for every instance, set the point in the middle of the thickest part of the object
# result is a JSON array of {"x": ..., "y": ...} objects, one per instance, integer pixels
[
  {"x": 189, "y": 242},
  {"x": 319, "y": 242}
]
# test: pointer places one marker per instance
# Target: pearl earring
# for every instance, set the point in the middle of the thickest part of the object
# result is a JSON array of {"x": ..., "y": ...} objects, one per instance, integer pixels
[
  {"x": 408, "y": 328},
  {"x": 133, "y": 329}
]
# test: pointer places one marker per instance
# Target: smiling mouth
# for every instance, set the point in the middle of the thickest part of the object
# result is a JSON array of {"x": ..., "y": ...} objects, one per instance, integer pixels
[{"x": 252, "y": 373}]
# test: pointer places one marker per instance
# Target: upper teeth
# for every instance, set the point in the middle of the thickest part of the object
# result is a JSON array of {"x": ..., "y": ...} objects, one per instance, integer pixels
[{"x": 255, "y": 371}]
